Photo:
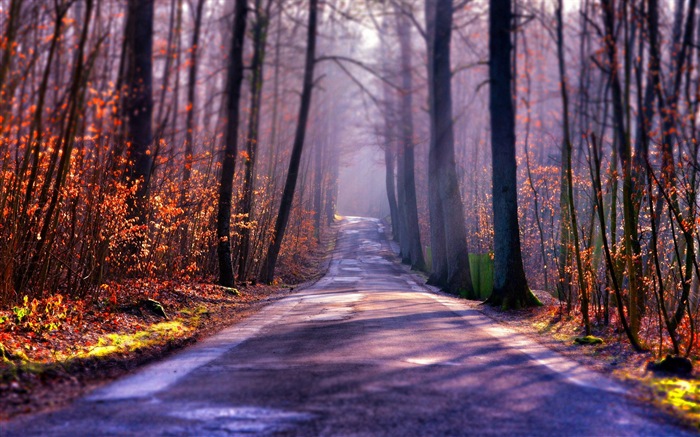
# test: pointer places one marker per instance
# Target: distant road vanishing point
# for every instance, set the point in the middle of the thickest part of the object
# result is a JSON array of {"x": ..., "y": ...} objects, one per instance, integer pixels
[{"x": 366, "y": 351}]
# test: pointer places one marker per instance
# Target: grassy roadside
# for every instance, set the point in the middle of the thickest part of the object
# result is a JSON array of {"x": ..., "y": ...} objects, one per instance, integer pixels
[{"x": 55, "y": 350}]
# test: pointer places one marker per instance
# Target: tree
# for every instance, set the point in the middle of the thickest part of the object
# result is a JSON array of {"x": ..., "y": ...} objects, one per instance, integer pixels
[
  {"x": 438, "y": 273},
  {"x": 510, "y": 289},
  {"x": 234, "y": 80},
  {"x": 389, "y": 140},
  {"x": 411, "y": 250},
  {"x": 189, "y": 126},
  {"x": 268, "y": 271},
  {"x": 631, "y": 235},
  {"x": 139, "y": 100},
  {"x": 567, "y": 177},
  {"x": 260, "y": 26},
  {"x": 458, "y": 280}
]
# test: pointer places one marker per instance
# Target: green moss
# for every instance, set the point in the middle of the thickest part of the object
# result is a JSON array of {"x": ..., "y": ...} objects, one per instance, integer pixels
[
  {"x": 155, "y": 307},
  {"x": 681, "y": 394},
  {"x": 194, "y": 315},
  {"x": 14, "y": 362},
  {"x": 511, "y": 303},
  {"x": 123, "y": 343},
  {"x": 588, "y": 340},
  {"x": 231, "y": 290}
]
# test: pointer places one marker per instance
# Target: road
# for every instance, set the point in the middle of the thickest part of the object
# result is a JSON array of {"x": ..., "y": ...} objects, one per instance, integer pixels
[{"x": 366, "y": 351}]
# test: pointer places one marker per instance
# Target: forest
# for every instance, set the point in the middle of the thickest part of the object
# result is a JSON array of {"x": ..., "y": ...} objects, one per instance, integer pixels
[{"x": 511, "y": 145}]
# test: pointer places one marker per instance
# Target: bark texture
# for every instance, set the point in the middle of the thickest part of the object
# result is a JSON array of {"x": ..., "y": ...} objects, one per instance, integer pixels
[
  {"x": 139, "y": 100},
  {"x": 438, "y": 274},
  {"x": 234, "y": 79},
  {"x": 458, "y": 279},
  {"x": 510, "y": 289},
  {"x": 412, "y": 244}
]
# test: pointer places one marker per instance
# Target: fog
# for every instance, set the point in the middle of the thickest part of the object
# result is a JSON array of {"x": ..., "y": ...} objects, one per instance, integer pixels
[{"x": 361, "y": 184}]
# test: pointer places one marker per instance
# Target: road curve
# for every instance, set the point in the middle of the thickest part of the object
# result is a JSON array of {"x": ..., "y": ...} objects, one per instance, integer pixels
[{"x": 366, "y": 351}]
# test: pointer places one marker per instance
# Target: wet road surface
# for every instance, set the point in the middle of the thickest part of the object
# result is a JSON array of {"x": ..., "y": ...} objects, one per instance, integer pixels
[{"x": 366, "y": 351}]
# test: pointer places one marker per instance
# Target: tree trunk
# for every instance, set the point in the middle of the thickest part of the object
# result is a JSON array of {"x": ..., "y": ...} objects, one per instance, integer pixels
[
  {"x": 631, "y": 238},
  {"x": 567, "y": 182},
  {"x": 457, "y": 256},
  {"x": 235, "y": 77},
  {"x": 191, "y": 97},
  {"x": 389, "y": 165},
  {"x": 510, "y": 289},
  {"x": 11, "y": 27},
  {"x": 189, "y": 127},
  {"x": 413, "y": 243},
  {"x": 438, "y": 275},
  {"x": 139, "y": 102},
  {"x": 268, "y": 271},
  {"x": 389, "y": 139},
  {"x": 161, "y": 118},
  {"x": 256, "y": 85},
  {"x": 318, "y": 187}
]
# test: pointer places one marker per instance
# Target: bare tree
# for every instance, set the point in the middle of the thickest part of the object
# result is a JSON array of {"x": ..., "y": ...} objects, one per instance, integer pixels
[
  {"x": 458, "y": 280},
  {"x": 260, "y": 26},
  {"x": 510, "y": 289},
  {"x": 411, "y": 250},
  {"x": 268, "y": 271},
  {"x": 139, "y": 99},
  {"x": 235, "y": 78}
]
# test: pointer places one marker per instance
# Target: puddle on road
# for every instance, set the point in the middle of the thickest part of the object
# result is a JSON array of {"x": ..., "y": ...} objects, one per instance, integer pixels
[{"x": 351, "y": 269}]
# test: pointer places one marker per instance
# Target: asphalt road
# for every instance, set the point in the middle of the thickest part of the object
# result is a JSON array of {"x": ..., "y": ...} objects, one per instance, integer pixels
[{"x": 366, "y": 351}]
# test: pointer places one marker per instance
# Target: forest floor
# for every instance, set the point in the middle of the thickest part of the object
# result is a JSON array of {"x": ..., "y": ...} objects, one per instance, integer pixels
[
  {"x": 549, "y": 325},
  {"x": 54, "y": 350}
]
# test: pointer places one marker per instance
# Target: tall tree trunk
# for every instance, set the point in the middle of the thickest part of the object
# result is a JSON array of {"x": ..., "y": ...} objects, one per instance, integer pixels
[
  {"x": 268, "y": 271},
  {"x": 192, "y": 97},
  {"x": 389, "y": 138},
  {"x": 256, "y": 86},
  {"x": 389, "y": 165},
  {"x": 189, "y": 126},
  {"x": 176, "y": 87},
  {"x": 318, "y": 184},
  {"x": 457, "y": 256},
  {"x": 139, "y": 101},
  {"x": 510, "y": 289},
  {"x": 235, "y": 77},
  {"x": 11, "y": 27},
  {"x": 404, "y": 247},
  {"x": 272, "y": 161},
  {"x": 413, "y": 243},
  {"x": 631, "y": 238},
  {"x": 439, "y": 268},
  {"x": 161, "y": 118},
  {"x": 568, "y": 182}
]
